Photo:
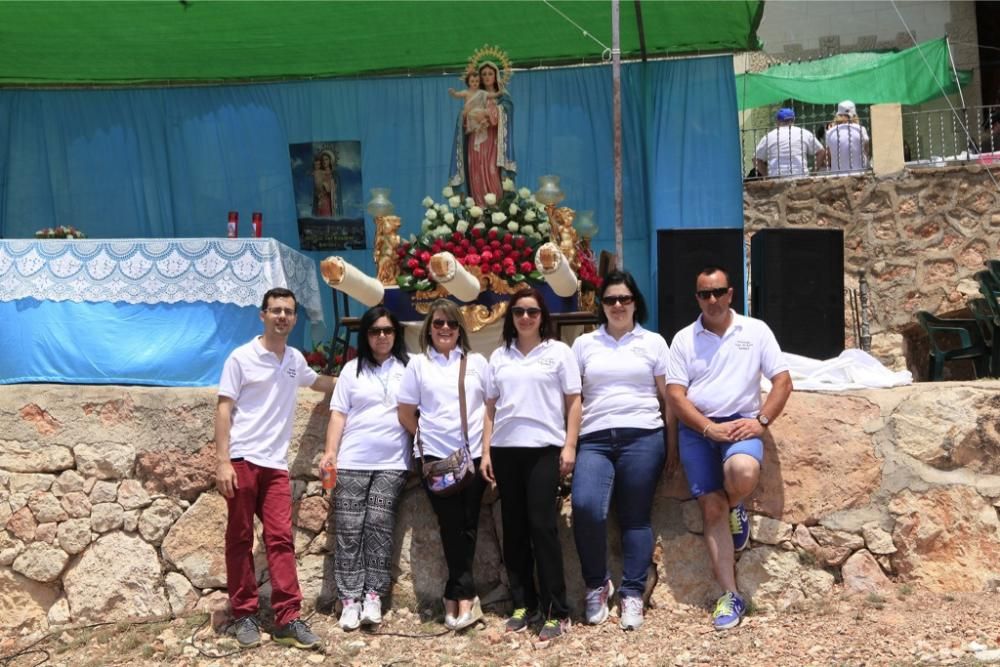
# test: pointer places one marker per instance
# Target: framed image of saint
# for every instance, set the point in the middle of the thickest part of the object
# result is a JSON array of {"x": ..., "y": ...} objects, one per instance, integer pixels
[{"x": 326, "y": 178}]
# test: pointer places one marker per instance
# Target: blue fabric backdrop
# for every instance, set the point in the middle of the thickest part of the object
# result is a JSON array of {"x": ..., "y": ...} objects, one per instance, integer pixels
[{"x": 170, "y": 162}]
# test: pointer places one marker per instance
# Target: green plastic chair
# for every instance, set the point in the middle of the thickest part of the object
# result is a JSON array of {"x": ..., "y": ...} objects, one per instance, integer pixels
[
  {"x": 993, "y": 266},
  {"x": 971, "y": 346},
  {"x": 988, "y": 319}
]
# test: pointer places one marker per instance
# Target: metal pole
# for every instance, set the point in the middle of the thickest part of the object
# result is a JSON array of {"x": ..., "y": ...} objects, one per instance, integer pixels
[
  {"x": 616, "y": 102},
  {"x": 954, "y": 71},
  {"x": 866, "y": 335}
]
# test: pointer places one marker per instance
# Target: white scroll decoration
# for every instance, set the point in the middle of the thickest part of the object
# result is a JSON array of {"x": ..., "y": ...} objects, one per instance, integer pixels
[
  {"x": 555, "y": 269},
  {"x": 344, "y": 276},
  {"x": 451, "y": 275}
]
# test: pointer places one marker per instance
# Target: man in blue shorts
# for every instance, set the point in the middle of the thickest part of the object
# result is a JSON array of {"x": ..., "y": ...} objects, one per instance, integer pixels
[{"x": 713, "y": 387}]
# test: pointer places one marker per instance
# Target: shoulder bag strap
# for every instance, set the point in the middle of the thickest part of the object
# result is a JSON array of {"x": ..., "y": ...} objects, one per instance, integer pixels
[{"x": 461, "y": 400}]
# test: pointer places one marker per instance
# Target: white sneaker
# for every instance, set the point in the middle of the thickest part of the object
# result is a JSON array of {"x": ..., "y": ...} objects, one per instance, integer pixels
[
  {"x": 371, "y": 609},
  {"x": 597, "y": 603},
  {"x": 631, "y": 613},
  {"x": 350, "y": 616}
]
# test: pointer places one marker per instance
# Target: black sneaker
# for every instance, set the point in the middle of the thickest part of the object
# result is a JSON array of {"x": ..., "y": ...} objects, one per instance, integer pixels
[
  {"x": 295, "y": 634},
  {"x": 247, "y": 631},
  {"x": 521, "y": 619},
  {"x": 553, "y": 629}
]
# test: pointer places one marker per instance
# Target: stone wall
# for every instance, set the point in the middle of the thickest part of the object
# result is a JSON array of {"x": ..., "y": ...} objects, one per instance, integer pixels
[
  {"x": 919, "y": 237},
  {"x": 108, "y": 512}
]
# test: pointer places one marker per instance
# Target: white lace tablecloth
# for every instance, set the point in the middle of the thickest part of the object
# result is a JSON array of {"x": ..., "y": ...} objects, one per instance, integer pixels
[{"x": 234, "y": 271}]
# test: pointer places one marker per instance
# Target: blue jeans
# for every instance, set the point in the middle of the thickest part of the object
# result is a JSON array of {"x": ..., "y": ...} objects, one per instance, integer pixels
[{"x": 625, "y": 462}]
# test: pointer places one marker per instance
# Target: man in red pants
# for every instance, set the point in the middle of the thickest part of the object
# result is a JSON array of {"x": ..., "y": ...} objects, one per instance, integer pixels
[{"x": 253, "y": 426}]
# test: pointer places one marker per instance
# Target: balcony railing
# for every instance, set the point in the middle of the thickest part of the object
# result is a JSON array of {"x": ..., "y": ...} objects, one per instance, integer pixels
[{"x": 939, "y": 137}]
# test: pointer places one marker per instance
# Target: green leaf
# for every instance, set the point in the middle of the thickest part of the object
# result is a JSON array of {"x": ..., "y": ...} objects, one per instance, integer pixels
[
  {"x": 423, "y": 285},
  {"x": 535, "y": 275},
  {"x": 518, "y": 278},
  {"x": 405, "y": 282}
]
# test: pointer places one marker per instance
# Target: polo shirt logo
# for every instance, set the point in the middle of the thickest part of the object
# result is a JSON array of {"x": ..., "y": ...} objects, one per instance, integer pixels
[
  {"x": 546, "y": 362},
  {"x": 744, "y": 345},
  {"x": 291, "y": 372}
]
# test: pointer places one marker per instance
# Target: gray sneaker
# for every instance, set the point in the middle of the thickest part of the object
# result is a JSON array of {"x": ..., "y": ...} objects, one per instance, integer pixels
[
  {"x": 296, "y": 634},
  {"x": 597, "y": 603},
  {"x": 247, "y": 631},
  {"x": 631, "y": 613}
]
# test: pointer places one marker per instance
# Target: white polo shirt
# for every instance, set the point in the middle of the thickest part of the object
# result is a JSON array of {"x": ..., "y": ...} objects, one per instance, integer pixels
[
  {"x": 431, "y": 383},
  {"x": 531, "y": 394},
  {"x": 264, "y": 389},
  {"x": 373, "y": 438},
  {"x": 722, "y": 374},
  {"x": 618, "y": 386}
]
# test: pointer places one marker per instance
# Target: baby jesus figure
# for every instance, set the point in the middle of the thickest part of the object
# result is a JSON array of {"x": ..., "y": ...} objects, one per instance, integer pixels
[{"x": 474, "y": 111}]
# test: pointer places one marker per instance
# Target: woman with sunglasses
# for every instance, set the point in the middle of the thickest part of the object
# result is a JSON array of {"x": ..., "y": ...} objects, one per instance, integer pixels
[
  {"x": 430, "y": 386},
  {"x": 529, "y": 441},
  {"x": 622, "y": 446},
  {"x": 370, "y": 452}
]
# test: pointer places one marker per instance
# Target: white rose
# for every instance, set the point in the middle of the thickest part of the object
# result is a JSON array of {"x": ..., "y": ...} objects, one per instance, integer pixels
[
  {"x": 447, "y": 192},
  {"x": 498, "y": 218},
  {"x": 427, "y": 202},
  {"x": 449, "y": 218},
  {"x": 527, "y": 230},
  {"x": 544, "y": 228},
  {"x": 425, "y": 225},
  {"x": 462, "y": 226},
  {"x": 469, "y": 202},
  {"x": 524, "y": 193},
  {"x": 432, "y": 214},
  {"x": 443, "y": 230},
  {"x": 508, "y": 185},
  {"x": 455, "y": 201},
  {"x": 475, "y": 212},
  {"x": 514, "y": 209},
  {"x": 479, "y": 225},
  {"x": 490, "y": 199},
  {"x": 529, "y": 215},
  {"x": 512, "y": 226},
  {"x": 440, "y": 208}
]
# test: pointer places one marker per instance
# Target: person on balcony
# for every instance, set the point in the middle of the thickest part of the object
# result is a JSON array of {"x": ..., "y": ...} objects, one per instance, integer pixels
[
  {"x": 784, "y": 150},
  {"x": 847, "y": 141}
]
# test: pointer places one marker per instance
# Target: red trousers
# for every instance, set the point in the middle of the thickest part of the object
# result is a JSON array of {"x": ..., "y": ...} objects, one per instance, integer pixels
[{"x": 264, "y": 492}]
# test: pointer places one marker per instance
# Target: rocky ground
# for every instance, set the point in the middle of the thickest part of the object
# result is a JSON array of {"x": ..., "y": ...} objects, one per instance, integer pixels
[{"x": 897, "y": 627}]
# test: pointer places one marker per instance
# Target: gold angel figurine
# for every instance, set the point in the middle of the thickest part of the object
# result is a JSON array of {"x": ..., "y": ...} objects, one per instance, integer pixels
[{"x": 386, "y": 242}]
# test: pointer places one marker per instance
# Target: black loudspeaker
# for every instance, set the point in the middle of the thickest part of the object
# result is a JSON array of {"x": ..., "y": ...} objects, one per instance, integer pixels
[
  {"x": 797, "y": 287},
  {"x": 681, "y": 255}
]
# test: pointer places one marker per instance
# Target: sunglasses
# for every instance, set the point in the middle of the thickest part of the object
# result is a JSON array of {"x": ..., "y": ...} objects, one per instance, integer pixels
[
  {"x": 374, "y": 332},
  {"x": 623, "y": 299},
  {"x": 718, "y": 293},
  {"x": 439, "y": 324},
  {"x": 522, "y": 312},
  {"x": 277, "y": 312}
]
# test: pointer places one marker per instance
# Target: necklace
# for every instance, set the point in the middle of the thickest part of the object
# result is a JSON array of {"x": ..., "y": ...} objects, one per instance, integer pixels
[{"x": 384, "y": 382}]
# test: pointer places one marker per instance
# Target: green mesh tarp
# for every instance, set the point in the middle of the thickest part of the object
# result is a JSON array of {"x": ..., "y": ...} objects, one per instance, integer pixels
[
  {"x": 162, "y": 41},
  {"x": 912, "y": 76}
]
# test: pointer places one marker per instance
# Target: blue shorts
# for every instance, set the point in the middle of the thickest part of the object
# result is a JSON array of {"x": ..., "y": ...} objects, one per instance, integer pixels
[{"x": 703, "y": 457}]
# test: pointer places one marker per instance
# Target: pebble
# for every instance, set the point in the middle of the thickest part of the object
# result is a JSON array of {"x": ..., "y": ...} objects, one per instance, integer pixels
[
  {"x": 975, "y": 647},
  {"x": 990, "y": 656},
  {"x": 316, "y": 658}
]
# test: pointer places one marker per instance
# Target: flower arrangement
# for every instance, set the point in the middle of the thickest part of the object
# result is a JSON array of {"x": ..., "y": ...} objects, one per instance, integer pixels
[
  {"x": 588, "y": 267},
  {"x": 60, "y": 232},
  {"x": 499, "y": 238},
  {"x": 322, "y": 361}
]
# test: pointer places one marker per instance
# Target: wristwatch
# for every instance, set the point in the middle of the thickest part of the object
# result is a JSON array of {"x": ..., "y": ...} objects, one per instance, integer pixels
[{"x": 764, "y": 421}]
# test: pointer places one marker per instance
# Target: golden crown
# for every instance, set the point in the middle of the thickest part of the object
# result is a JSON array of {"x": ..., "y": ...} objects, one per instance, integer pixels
[{"x": 490, "y": 55}]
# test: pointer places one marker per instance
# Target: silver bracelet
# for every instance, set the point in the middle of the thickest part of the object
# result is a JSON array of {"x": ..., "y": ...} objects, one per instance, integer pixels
[{"x": 704, "y": 431}]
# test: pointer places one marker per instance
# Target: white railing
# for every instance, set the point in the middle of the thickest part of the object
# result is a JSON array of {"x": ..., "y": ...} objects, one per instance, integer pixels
[{"x": 939, "y": 137}]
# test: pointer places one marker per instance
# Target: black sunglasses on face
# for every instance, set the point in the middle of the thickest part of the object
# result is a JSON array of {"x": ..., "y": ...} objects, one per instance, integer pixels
[
  {"x": 381, "y": 331},
  {"x": 439, "y": 324},
  {"x": 623, "y": 299},
  {"x": 718, "y": 293},
  {"x": 530, "y": 312}
]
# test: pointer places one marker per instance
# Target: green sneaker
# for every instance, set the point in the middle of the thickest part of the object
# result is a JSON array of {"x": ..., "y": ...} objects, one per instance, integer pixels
[
  {"x": 521, "y": 619},
  {"x": 553, "y": 629},
  {"x": 295, "y": 634}
]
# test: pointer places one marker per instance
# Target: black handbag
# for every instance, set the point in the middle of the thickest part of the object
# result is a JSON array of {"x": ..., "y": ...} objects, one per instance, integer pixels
[{"x": 453, "y": 473}]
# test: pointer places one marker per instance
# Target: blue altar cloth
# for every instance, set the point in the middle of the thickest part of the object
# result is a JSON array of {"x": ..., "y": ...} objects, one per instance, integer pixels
[{"x": 161, "y": 312}]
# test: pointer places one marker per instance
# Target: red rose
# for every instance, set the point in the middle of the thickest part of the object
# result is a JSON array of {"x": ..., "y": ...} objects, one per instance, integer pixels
[
  {"x": 527, "y": 267},
  {"x": 480, "y": 243},
  {"x": 465, "y": 243},
  {"x": 457, "y": 236},
  {"x": 492, "y": 234},
  {"x": 508, "y": 261},
  {"x": 419, "y": 273},
  {"x": 477, "y": 232},
  {"x": 437, "y": 247},
  {"x": 487, "y": 256},
  {"x": 507, "y": 238},
  {"x": 494, "y": 244},
  {"x": 509, "y": 270},
  {"x": 413, "y": 263},
  {"x": 507, "y": 247},
  {"x": 472, "y": 258},
  {"x": 401, "y": 252},
  {"x": 425, "y": 257},
  {"x": 496, "y": 268},
  {"x": 449, "y": 246},
  {"x": 519, "y": 242},
  {"x": 459, "y": 252}
]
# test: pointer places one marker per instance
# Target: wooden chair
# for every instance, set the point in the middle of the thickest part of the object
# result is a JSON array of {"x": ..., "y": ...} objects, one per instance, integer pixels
[{"x": 971, "y": 345}]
